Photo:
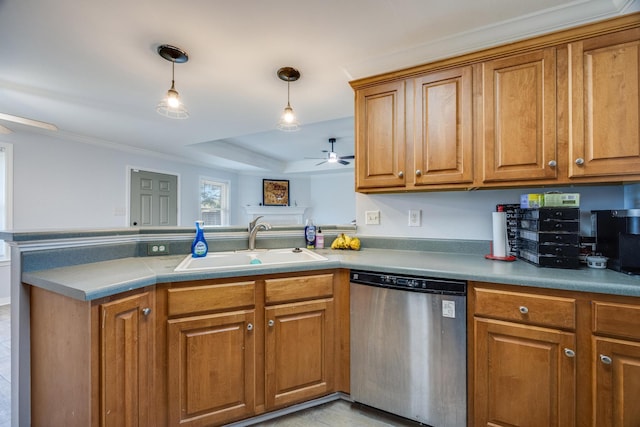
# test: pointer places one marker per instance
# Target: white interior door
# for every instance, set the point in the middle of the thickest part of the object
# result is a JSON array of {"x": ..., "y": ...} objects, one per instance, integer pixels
[{"x": 154, "y": 199}]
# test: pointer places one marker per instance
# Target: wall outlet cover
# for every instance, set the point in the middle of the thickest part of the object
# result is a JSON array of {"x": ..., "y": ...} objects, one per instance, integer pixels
[
  {"x": 372, "y": 217},
  {"x": 415, "y": 217}
]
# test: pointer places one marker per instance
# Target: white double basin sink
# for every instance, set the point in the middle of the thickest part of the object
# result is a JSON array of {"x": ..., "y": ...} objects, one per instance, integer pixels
[{"x": 248, "y": 259}]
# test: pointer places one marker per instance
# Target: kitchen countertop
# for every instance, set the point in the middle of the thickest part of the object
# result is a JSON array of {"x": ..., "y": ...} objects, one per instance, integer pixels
[{"x": 100, "y": 279}]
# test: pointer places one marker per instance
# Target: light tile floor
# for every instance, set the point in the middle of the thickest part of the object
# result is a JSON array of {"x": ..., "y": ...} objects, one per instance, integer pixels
[
  {"x": 339, "y": 413},
  {"x": 5, "y": 365}
]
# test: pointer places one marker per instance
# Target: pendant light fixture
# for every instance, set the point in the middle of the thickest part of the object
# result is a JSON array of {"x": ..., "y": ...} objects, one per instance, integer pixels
[
  {"x": 288, "y": 121},
  {"x": 171, "y": 106}
]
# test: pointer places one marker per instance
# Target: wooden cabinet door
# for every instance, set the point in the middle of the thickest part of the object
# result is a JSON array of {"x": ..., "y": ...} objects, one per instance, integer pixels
[
  {"x": 211, "y": 368},
  {"x": 298, "y": 352},
  {"x": 443, "y": 128},
  {"x": 518, "y": 126},
  {"x": 126, "y": 362},
  {"x": 523, "y": 377},
  {"x": 380, "y": 136},
  {"x": 605, "y": 105},
  {"x": 617, "y": 383}
]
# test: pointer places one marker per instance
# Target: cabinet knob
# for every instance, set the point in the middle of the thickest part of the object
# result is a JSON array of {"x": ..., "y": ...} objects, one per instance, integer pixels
[
  {"x": 523, "y": 309},
  {"x": 400, "y": 174},
  {"x": 146, "y": 311},
  {"x": 418, "y": 172},
  {"x": 605, "y": 359},
  {"x": 579, "y": 161},
  {"x": 271, "y": 322},
  {"x": 249, "y": 326},
  {"x": 569, "y": 353},
  {"x": 553, "y": 163}
]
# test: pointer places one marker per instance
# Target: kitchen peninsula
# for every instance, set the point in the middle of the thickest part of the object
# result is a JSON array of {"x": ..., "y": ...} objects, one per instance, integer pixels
[{"x": 96, "y": 275}]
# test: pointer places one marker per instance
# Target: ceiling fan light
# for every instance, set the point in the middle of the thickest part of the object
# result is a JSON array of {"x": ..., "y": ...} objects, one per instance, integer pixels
[{"x": 333, "y": 157}]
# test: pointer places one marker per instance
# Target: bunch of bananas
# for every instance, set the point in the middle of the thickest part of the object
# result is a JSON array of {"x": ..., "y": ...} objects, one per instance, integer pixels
[{"x": 345, "y": 242}]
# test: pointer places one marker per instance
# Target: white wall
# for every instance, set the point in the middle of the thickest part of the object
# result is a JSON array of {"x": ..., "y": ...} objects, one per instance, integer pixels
[
  {"x": 465, "y": 214},
  {"x": 62, "y": 184},
  {"x": 66, "y": 184},
  {"x": 333, "y": 198}
]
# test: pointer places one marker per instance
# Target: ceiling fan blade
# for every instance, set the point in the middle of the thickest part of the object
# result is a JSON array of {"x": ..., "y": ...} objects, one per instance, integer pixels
[
  {"x": 348, "y": 157},
  {"x": 5, "y": 131},
  {"x": 318, "y": 164},
  {"x": 28, "y": 122},
  {"x": 343, "y": 162}
]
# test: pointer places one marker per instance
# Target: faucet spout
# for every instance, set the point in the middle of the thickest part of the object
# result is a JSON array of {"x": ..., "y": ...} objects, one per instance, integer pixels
[{"x": 254, "y": 227}]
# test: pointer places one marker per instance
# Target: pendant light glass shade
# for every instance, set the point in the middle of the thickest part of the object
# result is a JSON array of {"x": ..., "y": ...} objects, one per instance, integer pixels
[
  {"x": 171, "y": 106},
  {"x": 288, "y": 121}
]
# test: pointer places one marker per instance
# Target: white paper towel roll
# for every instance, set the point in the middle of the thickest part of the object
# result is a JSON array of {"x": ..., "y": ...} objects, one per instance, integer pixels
[{"x": 499, "y": 234}]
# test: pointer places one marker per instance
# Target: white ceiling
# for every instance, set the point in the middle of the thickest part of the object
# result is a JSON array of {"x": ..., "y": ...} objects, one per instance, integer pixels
[{"x": 92, "y": 69}]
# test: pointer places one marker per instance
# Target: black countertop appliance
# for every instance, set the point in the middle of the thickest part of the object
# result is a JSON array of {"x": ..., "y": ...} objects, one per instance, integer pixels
[{"x": 617, "y": 234}]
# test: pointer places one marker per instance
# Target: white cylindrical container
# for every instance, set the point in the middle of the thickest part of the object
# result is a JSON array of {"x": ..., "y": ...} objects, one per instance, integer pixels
[{"x": 499, "y": 234}]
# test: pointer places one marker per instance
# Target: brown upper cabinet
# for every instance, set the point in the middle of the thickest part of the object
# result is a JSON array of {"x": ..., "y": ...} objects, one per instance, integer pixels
[
  {"x": 558, "y": 109},
  {"x": 380, "y": 135},
  {"x": 518, "y": 117},
  {"x": 605, "y": 105}
]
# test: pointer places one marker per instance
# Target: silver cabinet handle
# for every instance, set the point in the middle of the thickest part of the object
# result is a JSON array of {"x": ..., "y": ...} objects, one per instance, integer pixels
[
  {"x": 523, "y": 309},
  {"x": 400, "y": 174},
  {"x": 605, "y": 359},
  {"x": 579, "y": 161},
  {"x": 271, "y": 323},
  {"x": 553, "y": 163},
  {"x": 569, "y": 353},
  {"x": 146, "y": 311},
  {"x": 249, "y": 326},
  {"x": 418, "y": 172}
]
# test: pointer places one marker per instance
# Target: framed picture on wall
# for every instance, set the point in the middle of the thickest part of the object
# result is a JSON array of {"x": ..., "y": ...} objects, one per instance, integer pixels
[{"x": 275, "y": 192}]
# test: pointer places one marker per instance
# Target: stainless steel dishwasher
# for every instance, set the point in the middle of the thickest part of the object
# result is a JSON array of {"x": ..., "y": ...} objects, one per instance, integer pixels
[{"x": 408, "y": 346}]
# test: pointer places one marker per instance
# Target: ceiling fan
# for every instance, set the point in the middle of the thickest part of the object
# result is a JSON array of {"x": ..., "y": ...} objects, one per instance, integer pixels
[
  {"x": 332, "y": 156},
  {"x": 23, "y": 121}
]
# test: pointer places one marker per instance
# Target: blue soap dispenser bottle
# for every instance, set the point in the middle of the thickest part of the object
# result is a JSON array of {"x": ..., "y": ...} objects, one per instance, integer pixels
[{"x": 199, "y": 247}]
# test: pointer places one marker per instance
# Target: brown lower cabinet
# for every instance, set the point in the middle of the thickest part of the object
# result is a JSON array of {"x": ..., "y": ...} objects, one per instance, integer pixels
[
  {"x": 200, "y": 353},
  {"x": 542, "y": 357}
]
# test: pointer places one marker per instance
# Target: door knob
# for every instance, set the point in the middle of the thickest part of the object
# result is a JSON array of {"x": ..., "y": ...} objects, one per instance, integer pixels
[
  {"x": 569, "y": 353},
  {"x": 249, "y": 326},
  {"x": 418, "y": 172},
  {"x": 552, "y": 163},
  {"x": 523, "y": 309},
  {"x": 271, "y": 323},
  {"x": 400, "y": 174},
  {"x": 146, "y": 311},
  {"x": 579, "y": 161}
]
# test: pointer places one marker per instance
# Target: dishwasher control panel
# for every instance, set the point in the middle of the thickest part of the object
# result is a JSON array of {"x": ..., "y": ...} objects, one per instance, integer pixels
[{"x": 410, "y": 283}]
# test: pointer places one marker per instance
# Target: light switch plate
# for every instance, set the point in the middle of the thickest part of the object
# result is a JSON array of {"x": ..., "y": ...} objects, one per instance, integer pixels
[
  {"x": 372, "y": 217},
  {"x": 415, "y": 217}
]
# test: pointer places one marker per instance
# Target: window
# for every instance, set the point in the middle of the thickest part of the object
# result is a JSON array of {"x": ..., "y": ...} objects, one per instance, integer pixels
[
  {"x": 6, "y": 191},
  {"x": 214, "y": 202}
]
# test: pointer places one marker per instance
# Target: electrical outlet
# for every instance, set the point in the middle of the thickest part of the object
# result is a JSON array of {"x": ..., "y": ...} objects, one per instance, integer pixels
[
  {"x": 372, "y": 217},
  {"x": 414, "y": 217},
  {"x": 157, "y": 249}
]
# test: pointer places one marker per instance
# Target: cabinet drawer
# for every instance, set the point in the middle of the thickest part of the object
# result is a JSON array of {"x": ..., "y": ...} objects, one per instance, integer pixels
[
  {"x": 298, "y": 288},
  {"x": 622, "y": 320},
  {"x": 198, "y": 299},
  {"x": 528, "y": 308}
]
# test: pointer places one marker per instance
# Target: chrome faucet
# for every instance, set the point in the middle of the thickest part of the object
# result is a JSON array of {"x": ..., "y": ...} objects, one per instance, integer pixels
[{"x": 254, "y": 227}]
